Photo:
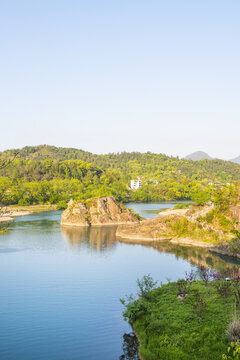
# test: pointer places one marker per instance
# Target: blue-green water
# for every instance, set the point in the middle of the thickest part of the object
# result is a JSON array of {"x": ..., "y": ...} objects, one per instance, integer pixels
[
  {"x": 150, "y": 210},
  {"x": 60, "y": 288}
]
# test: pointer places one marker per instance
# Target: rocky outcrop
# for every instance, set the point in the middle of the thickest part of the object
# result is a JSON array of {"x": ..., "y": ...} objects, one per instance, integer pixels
[
  {"x": 151, "y": 229},
  {"x": 235, "y": 212},
  {"x": 97, "y": 212}
]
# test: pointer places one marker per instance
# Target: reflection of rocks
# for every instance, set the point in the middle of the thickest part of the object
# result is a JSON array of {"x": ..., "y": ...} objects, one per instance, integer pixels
[
  {"x": 100, "y": 239},
  {"x": 104, "y": 239},
  {"x": 130, "y": 347},
  {"x": 196, "y": 256}
]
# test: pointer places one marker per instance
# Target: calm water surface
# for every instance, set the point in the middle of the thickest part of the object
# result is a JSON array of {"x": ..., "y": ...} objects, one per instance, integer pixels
[{"x": 60, "y": 288}]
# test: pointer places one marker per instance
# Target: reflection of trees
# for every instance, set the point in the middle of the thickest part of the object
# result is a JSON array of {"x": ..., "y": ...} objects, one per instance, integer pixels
[
  {"x": 98, "y": 238},
  {"x": 104, "y": 238},
  {"x": 130, "y": 347},
  {"x": 195, "y": 255}
]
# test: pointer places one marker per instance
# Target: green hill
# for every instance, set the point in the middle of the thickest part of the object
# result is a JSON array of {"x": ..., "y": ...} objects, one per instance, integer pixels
[{"x": 61, "y": 173}]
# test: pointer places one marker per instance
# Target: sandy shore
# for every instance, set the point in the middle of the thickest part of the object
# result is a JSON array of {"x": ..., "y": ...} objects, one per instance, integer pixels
[
  {"x": 5, "y": 218},
  {"x": 10, "y": 212},
  {"x": 184, "y": 241},
  {"x": 180, "y": 212},
  {"x": 190, "y": 242}
]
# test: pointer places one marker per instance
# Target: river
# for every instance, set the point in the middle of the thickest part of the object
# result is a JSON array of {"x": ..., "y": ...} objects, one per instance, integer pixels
[{"x": 60, "y": 288}]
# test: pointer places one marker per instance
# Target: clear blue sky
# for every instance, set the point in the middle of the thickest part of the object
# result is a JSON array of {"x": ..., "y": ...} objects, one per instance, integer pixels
[{"x": 108, "y": 76}]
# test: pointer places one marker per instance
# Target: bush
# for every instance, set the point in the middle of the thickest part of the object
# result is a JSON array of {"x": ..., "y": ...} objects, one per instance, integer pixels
[
  {"x": 181, "y": 206},
  {"x": 233, "y": 352},
  {"x": 233, "y": 330},
  {"x": 182, "y": 287},
  {"x": 61, "y": 205},
  {"x": 145, "y": 285},
  {"x": 198, "y": 302},
  {"x": 224, "y": 288}
]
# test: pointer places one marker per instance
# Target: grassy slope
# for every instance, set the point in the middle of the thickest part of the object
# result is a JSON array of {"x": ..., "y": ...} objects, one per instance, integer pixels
[{"x": 171, "y": 329}]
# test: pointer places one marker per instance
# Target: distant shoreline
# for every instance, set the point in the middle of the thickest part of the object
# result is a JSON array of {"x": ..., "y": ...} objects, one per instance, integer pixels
[{"x": 12, "y": 211}]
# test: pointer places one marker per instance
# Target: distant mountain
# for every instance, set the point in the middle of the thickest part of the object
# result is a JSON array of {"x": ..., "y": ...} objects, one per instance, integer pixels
[
  {"x": 198, "y": 155},
  {"x": 236, "y": 160}
]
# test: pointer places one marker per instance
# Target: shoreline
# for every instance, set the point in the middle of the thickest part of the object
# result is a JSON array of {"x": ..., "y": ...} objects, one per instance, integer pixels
[
  {"x": 12, "y": 211},
  {"x": 184, "y": 241},
  {"x": 115, "y": 224},
  {"x": 165, "y": 302}
]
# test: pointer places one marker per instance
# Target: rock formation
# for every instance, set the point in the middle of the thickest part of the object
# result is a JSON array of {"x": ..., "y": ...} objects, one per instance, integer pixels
[
  {"x": 150, "y": 229},
  {"x": 97, "y": 211},
  {"x": 235, "y": 212}
]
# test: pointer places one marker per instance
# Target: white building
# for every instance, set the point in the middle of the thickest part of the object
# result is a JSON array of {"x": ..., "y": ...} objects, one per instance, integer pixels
[{"x": 136, "y": 184}]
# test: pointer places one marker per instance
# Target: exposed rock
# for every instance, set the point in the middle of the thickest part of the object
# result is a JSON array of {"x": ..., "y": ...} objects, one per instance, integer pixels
[
  {"x": 235, "y": 212},
  {"x": 150, "y": 229},
  {"x": 97, "y": 211}
]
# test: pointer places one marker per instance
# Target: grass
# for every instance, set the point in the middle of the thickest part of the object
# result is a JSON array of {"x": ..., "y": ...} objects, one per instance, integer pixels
[
  {"x": 171, "y": 328},
  {"x": 182, "y": 206},
  {"x": 32, "y": 208},
  {"x": 184, "y": 228}
]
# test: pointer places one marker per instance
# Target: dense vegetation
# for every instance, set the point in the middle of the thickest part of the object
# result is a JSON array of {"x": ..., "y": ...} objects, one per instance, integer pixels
[
  {"x": 216, "y": 223},
  {"x": 47, "y": 174},
  {"x": 187, "y": 319}
]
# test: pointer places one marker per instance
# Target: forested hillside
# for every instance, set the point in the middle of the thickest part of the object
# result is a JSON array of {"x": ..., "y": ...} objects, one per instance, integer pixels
[{"x": 50, "y": 174}]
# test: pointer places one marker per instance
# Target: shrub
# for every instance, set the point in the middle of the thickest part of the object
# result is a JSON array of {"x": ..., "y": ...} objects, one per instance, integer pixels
[
  {"x": 233, "y": 330},
  {"x": 198, "y": 302},
  {"x": 233, "y": 352},
  {"x": 209, "y": 217},
  {"x": 61, "y": 205},
  {"x": 134, "y": 213},
  {"x": 224, "y": 288},
  {"x": 182, "y": 206},
  {"x": 207, "y": 274},
  {"x": 182, "y": 287},
  {"x": 135, "y": 308},
  {"x": 145, "y": 285},
  {"x": 190, "y": 276}
]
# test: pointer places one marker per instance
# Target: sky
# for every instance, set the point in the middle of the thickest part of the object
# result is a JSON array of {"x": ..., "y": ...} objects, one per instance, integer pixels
[{"x": 130, "y": 75}]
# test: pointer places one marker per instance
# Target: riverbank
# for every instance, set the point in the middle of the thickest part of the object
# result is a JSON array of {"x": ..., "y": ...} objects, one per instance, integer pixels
[
  {"x": 199, "y": 226},
  {"x": 183, "y": 320},
  {"x": 8, "y": 213},
  {"x": 183, "y": 241}
]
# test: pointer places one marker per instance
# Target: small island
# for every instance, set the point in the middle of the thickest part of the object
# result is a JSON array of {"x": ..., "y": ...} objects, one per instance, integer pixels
[{"x": 100, "y": 211}]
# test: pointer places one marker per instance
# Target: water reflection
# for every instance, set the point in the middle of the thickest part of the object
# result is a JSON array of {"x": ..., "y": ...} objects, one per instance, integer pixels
[
  {"x": 130, "y": 347},
  {"x": 195, "y": 255},
  {"x": 97, "y": 238},
  {"x": 103, "y": 239}
]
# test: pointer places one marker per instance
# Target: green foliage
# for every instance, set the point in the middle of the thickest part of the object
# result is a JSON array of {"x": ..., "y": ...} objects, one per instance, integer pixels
[
  {"x": 44, "y": 174},
  {"x": 233, "y": 352},
  {"x": 224, "y": 196},
  {"x": 136, "y": 214},
  {"x": 182, "y": 329},
  {"x": 233, "y": 330},
  {"x": 182, "y": 287},
  {"x": 198, "y": 302},
  {"x": 224, "y": 288},
  {"x": 182, "y": 227},
  {"x": 200, "y": 196},
  {"x": 181, "y": 206},
  {"x": 61, "y": 205},
  {"x": 145, "y": 285}
]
